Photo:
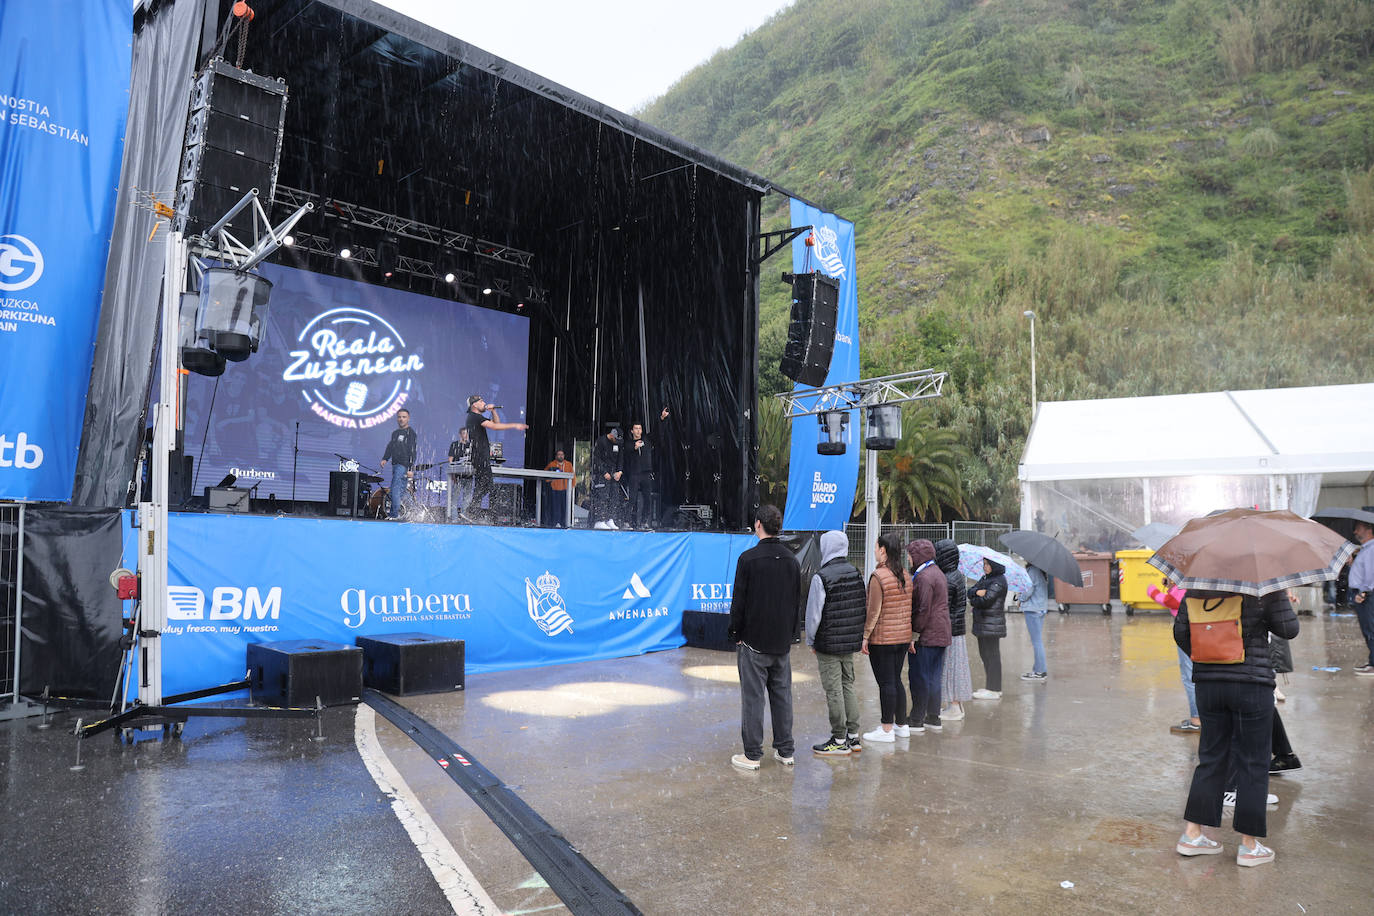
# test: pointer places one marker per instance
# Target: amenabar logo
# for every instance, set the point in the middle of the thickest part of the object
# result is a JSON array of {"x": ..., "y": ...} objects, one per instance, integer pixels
[{"x": 356, "y": 373}]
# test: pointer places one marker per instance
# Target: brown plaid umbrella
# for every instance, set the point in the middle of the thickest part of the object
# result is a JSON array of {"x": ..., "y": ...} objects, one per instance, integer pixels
[{"x": 1250, "y": 552}]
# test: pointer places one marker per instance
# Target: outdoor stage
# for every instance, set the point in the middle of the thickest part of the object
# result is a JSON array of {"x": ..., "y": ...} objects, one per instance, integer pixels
[{"x": 519, "y": 597}]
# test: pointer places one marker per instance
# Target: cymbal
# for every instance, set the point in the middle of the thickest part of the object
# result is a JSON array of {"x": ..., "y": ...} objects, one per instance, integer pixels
[{"x": 368, "y": 478}]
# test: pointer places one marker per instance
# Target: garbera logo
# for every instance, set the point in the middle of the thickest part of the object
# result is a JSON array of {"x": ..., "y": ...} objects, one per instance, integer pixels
[
  {"x": 637, "y": 588},
  {"x": 21, "y": 263},
  {"x": 403, "y": 607},
  {"x": 828, "y": 252},
  {"x": 186, "y": 602},
  {"x": 546, "y": 606},
  {"x": 19, "y": 452},
  {"x": 356, "y": 372}
]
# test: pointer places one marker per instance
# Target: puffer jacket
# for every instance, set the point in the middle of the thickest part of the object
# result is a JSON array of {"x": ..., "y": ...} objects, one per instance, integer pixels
[
  {"x": 888, "y": 622},
  {"x": 947, "y": 558},
  {"x": 990, "y": 610},
  {"x": 1258, "y": 618},
  {"x": 929, "y": 596}
]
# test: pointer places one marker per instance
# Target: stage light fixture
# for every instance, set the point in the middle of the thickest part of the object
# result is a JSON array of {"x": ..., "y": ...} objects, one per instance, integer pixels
[
  {"x": 486, "y": 290},
  {"x": 345, "y": 252},
  {"x": 834, "y": 430},
  {"x": 289, "y": 241},
  {"x": 884, "y": 427},
  {"x": 449, "y": 278},
  {"x": 233, "y": 307}
]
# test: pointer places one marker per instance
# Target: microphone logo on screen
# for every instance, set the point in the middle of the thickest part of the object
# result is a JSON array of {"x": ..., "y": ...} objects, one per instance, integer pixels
[{"x": 355, "y": 396}]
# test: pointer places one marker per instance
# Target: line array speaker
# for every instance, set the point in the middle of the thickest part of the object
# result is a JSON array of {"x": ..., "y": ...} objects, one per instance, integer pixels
[
  {"x": 233, "y": 144},
  {"x": 811, "y": 332}
]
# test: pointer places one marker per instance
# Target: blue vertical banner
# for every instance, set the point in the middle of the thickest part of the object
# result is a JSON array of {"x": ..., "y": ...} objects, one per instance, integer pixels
[
  {"x": 64, "y": 99},
  {"x": 820, "y": 488}
]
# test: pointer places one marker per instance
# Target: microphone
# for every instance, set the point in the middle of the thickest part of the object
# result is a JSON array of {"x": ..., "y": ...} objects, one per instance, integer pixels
[{"x": 496, "y": 407}]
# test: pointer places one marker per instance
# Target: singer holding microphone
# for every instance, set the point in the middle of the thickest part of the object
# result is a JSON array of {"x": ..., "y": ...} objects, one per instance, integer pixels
[{"x": 477, "y": 426}]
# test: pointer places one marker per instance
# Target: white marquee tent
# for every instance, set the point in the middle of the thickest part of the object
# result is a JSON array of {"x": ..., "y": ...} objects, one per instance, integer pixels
[{"x": 1093, "y": 471}]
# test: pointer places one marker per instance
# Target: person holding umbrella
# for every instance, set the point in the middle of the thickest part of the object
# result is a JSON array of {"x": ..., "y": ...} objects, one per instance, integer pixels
[
  {"x": 1237, "y": 567},
  {"x": 988, "y": 598},
  {"x": 1044, "y": 557}
]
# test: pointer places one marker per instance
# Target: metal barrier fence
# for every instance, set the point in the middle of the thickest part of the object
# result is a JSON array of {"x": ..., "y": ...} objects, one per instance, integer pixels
[
  {"x": 984, "y": 534},
  {"x": 11, "y": 588}
]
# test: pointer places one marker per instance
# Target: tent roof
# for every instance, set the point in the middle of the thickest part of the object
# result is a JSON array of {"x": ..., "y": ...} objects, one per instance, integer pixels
[{"x": 1325, "y": 430}]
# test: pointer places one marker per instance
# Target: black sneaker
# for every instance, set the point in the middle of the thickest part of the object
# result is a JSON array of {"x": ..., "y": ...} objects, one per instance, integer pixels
[
  {"x": 1283, "y": 762},
  {"x": 832, "y": 747},
  {"x": 934, "y": 725},
  {"x": 855, "y": 744},
  {"x": 1034, "y": 676}
]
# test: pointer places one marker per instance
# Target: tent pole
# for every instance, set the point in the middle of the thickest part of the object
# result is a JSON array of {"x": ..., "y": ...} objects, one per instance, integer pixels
[{"x": 872, "y": 524}]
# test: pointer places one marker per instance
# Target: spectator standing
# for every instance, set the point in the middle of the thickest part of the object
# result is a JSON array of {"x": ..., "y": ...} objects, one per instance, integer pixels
[
  {"x": 835, "y": 616},
  {"x": 929, "y": 636},
  {"x": 957, "y": 688},
  {"x": 887, "y": 633},
  {"x": 989, "y": 603},
  {"x": 763, "y": 621},
  {"x": 1171, "y": 600},
  {"x": 1361, "y": 592},
  {"x": 1033, "y": 607}
]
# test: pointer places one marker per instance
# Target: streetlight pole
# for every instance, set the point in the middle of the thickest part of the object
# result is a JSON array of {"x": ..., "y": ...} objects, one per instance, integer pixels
[{"x": 1031, "y": 315}]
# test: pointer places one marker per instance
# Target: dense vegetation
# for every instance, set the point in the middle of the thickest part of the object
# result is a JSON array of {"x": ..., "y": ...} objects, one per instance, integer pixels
[{"x": 1180, "y": 189}]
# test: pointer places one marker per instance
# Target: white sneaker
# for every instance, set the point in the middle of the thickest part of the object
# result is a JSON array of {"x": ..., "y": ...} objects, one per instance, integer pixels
[
  {"x": 902, "y": 731},
  {"x": 1278, "y": 695},
  {"x": 610, "y": 523},
  {"x": 878, "y": 736},
  {"x": 1228, "y": 799},
  {"x": 742, "y": 762},
  {"x": 785, "y": 761},
  {"x": 951, "y": 714},
  {"x": 602, "y": 526},
  {"x": 984, "y": 694}
]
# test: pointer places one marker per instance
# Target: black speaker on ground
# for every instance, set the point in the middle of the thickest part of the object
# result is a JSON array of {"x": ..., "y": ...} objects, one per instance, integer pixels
[
  {"x": 345, "y": 494},
  {"x": 811, "y": 332},
  {"x": 233, "y": 144},
  {"x": 296, "y": 671},
  {"x": 406, "y": 663},
  {"x": 707, "y": 630}
]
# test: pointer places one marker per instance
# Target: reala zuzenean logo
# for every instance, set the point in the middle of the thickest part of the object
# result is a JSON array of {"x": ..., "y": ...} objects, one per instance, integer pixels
[
  {"x": 353, "y": 367},
  {"x": 546, "y": 606}
]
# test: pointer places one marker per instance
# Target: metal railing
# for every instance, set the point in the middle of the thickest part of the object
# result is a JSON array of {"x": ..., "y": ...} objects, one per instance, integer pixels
[
  {"x": 11, "y": 588},
  {"x": 983, "y": 534}
]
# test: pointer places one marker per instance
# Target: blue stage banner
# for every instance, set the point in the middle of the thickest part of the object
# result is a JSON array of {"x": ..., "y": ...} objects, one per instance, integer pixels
[
  {"x": 820, "y": 488},
  {"x": 518, "y": 597},
  {"x": 64, "y": 98}
]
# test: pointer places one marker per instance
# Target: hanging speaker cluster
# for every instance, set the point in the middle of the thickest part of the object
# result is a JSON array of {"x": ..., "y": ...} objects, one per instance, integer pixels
[
  {"x": 811, "y": 332},
  {"x": 227, "y": 325}
]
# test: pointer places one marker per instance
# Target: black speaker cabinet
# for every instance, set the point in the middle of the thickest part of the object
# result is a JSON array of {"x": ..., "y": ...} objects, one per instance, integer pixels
[
  {"x": 345, "y": 497},
  {"x": 294, "y": 672},
  {"x": 233, "y": 144},
  {"x": 707, "y": 630},
  {"x": 406, "y": 663},
  {"x": 811, "y": 332}
]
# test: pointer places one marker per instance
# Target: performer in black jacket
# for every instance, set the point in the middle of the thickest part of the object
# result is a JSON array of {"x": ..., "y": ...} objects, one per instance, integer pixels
[
  {"x": 606, "y": 474},
  {"x": 400, "y": 451},
  {"x": 638, "y": 465},
  {"x": 477, "y": 426}
]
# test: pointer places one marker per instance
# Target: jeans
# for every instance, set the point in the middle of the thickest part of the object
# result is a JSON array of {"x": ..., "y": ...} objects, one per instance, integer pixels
[
  {"x": 400, "y": 489},
  {"x": 841, "y": 700},
  {"x": 1185, "y": 673},
  {"x": 1237, "y": 724},
  {"x": 760, "y": 673},
  {"x": 481, "y": 487},
  {"x": 1035, "y": 626},
  {"x": 886, "y": 662},
  {"x": 990, "y": 651},
  {"x": 927, "y": 673},
  {"x": 1364, "y": 612}
]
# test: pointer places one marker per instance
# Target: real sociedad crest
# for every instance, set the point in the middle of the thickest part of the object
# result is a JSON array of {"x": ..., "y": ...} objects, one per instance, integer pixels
[
  {"x": 546, "y": 606},
  {"x": 828, "y": 251}
]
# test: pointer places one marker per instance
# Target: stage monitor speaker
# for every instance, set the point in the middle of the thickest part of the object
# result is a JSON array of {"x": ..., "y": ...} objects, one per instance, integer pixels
[
  {"x": 226, "y": 499},
  {"x": 811, "y": 332},
  {"x": 296, "y": 671},
  {"x": 345, "y": 496},
  {"x": 233, "y": 144},
  {"x": 404, "y": 663}
]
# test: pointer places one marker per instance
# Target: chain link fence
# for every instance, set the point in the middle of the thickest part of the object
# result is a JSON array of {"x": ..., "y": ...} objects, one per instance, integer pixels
[{"x": 983, "y": 534}]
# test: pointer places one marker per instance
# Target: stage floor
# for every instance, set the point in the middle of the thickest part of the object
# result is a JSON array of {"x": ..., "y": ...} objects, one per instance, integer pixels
[{"x": 1076, "y": 779}]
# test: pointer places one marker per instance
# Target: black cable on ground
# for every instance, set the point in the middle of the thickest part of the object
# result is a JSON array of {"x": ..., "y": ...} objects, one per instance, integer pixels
[{"x": 578, "y": 883}]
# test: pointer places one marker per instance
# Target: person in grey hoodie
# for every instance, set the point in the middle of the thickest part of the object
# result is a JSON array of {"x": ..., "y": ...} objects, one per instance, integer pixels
[{"x": 835, "y": 611}]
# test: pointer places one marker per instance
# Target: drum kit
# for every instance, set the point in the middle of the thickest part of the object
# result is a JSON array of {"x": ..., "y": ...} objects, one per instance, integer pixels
[{"x": 427, "y": 502}]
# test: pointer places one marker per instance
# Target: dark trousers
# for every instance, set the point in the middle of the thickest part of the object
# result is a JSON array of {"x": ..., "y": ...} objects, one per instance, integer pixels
[
  {"x": 886, "y": 662},
  {"x": 604, "y": 495},
  {"x": 555, "y": 507},
  {"x": 1237, "y": 723},
  {"x": 927, "y": 674},
  {"x": 481, "y": 488},
  {"x": 1364, "y": 612},
  {"x": 990, "y": 651},
  {"x": 760, "y": 674},
  {"x": 640, "y": 488}
]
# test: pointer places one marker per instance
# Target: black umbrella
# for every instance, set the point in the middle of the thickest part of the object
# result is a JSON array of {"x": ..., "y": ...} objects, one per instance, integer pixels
[
  {"x": 1155, "y": 534},
  {"x": 1342, "y": 521},
  {"x": 1047, "y": 553}
]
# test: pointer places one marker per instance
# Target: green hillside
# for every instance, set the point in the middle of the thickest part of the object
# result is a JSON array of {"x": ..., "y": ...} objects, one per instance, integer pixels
[{"x": 1180, "y": 189}]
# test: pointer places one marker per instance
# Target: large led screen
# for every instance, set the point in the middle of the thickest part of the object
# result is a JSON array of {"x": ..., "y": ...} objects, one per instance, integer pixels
[{"x": 339, "y": 359}]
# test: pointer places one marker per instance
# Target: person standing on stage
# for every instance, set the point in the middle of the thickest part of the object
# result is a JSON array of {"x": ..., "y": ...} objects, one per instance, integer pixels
[
  {"x": 400, "y": 451},
  {"x": 477, "y": 426},
  {"x": 638, "y": 465},
  {"x": 606, "y": 476},
  {"x": 558, "y": 502}
]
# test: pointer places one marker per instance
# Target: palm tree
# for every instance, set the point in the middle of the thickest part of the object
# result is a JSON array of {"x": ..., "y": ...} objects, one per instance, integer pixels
[
  {"x": 920, "y": 477},
  {"x": 775, "y": 451}
]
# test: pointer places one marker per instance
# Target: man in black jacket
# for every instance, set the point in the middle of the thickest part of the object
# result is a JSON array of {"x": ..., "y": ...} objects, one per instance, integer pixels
[
  {"x": 400, "y": 451},
  {"x": 638, "y": 467},
  {"x": 763, "y": 620},
  {"x": 605, "y": 481}
]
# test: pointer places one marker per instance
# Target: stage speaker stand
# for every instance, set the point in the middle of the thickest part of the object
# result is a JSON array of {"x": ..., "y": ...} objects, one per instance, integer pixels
[
  {"x": 404, "y": 663},
  {"x": 811, "y": 332},
  {"x": 707, "y": 630},
  {"x": 345, "y": 497},
  {"x": 233, "y": 144},
  {"x": 296, "y": 671}
]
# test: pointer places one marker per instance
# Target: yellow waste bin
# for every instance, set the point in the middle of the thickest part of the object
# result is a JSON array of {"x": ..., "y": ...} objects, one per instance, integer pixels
[{"x": 1135, "y": 575}]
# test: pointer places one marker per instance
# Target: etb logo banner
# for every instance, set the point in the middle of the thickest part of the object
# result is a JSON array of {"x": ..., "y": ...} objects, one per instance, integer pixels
[
  {"x": 64, "y": 97},
  {"x": 820, "y": 488}
]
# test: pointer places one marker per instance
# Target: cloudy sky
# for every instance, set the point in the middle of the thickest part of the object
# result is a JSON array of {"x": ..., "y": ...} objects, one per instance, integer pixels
[{"x": 621, "y": 52}]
